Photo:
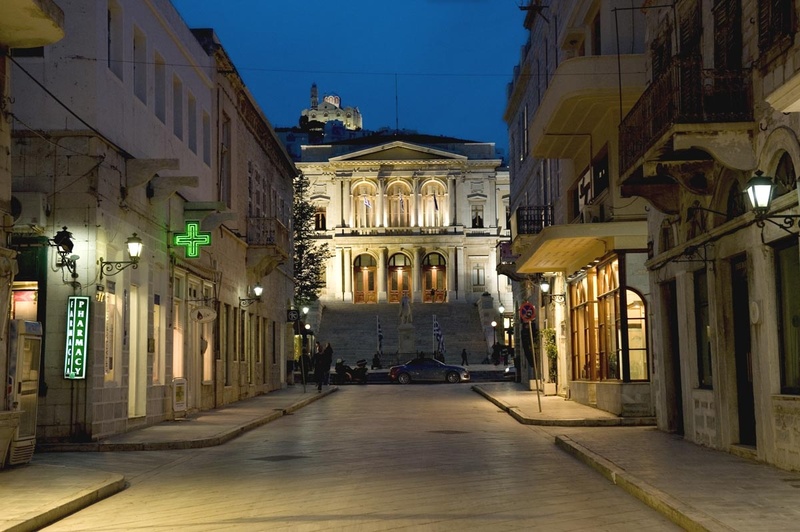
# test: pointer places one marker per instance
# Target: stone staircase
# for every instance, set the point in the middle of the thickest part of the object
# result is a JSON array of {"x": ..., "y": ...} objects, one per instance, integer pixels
[{"x": 352, "y": 330}]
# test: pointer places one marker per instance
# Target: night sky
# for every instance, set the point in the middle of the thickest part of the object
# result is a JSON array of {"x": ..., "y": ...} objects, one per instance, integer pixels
[{"x": 449, "y": 59}]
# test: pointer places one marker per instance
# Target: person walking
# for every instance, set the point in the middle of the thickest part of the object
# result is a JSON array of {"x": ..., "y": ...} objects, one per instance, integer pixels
[
  {"x": 464, "y": 361},
  {"x": 322, "y": 366}
]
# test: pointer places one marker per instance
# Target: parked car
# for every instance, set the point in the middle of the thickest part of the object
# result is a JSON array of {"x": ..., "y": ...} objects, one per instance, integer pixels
[{"x": 427, "y": 369}]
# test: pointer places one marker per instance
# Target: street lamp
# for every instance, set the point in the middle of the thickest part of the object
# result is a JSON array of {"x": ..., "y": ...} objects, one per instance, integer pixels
[
  {"x": 255, "y": 296},
  {"x": 134, "y": 245},
  {"x": 760, "y": 189},
  {"x": 62, "y": 241},
  {"x": 545, "y": 287},
  {"x": 494, "y": 332}
]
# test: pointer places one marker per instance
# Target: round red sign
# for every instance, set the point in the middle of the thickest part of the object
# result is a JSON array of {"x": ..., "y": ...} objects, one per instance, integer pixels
[{"x": 527, "y": 312}]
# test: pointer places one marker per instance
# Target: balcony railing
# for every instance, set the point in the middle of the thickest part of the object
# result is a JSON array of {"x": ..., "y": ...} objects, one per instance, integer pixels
[
  {"x": 531, "y": 219},
  {"x": 268, "y": 232},
  {"x": 685, "y": 94}
]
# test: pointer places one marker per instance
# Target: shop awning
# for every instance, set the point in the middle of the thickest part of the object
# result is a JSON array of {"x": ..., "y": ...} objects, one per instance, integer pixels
[{"x": 567, "y": 248}]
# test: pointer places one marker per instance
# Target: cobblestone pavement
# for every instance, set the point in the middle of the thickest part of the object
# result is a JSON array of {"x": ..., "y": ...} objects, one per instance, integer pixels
[
  {"x": 420, "y": 457},
  {"x": 428, "y": 457}
]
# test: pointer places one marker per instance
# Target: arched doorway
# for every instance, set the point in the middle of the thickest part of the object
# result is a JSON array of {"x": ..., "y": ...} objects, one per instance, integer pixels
[
  {"x": 399, "y": 277},
  {"x": 434, "y": 279},
  {"x": 365, "y": 271}
]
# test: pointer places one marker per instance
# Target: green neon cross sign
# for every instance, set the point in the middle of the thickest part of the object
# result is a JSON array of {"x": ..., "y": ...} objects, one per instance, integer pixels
[{"x": 192, "y": 239}]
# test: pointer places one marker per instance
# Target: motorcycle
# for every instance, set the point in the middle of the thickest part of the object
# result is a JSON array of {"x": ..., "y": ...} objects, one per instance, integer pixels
[{"x": 348, "y": 375}]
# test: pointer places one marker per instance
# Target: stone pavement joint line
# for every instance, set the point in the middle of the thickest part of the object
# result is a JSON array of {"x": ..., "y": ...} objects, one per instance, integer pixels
[{"x": 682, "y": 514}]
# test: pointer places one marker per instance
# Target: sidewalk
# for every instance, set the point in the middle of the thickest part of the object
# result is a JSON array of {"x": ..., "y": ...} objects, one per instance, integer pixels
[
  {"x": 698, "y": 488},
  {"x": 35, "y": 495}
]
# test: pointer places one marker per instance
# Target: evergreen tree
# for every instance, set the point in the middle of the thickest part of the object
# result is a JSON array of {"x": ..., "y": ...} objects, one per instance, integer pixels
[{"x": 309, "y": 254}]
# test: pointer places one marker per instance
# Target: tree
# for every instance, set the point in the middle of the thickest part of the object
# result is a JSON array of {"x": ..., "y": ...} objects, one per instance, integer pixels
[{"x": 309, "y": 254}]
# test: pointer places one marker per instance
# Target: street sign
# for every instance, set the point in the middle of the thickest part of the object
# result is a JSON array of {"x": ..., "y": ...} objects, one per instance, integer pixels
[
  {"x": 77, "y": 337},
  {"x": 527, "y": 312},
  {"x": 292, "y": 315},
  {"x": 203, "y": 314}
]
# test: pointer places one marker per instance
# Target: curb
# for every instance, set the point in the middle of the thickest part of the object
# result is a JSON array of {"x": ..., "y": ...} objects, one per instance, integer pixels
[
  {"x": 211, "y": 441},
  {"x": 113, "y": 485},
  {"x": 517, "y": 414},
  {"x": 677, "y": 511}
]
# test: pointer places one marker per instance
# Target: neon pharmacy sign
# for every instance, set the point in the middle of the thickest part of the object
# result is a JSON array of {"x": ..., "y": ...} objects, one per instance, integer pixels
[
  {"x": 192, "y": 239},
  {"x": 77, "y": 337}
]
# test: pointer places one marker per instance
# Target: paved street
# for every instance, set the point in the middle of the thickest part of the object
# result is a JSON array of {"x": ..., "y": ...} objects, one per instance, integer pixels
[{"x": 420, "y": 457}]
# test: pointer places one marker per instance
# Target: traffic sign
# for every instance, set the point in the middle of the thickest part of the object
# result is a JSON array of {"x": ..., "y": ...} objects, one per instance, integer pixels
[
  {"x": 527, "y": 312},
  {"x": 292, "y": 315}
]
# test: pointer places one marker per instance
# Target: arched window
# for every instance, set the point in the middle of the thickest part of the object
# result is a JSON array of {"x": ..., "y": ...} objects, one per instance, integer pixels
[
  {"x": 434, "y": 203},
  {"x": 785, "y": 176},
  {"x": 398, "y": 259},
  {"x": 434, "y": 259},
  {"x": 398, "y": 205},
  {"x": 364, "y": 261},
  {"x": 364, "y": 205}
]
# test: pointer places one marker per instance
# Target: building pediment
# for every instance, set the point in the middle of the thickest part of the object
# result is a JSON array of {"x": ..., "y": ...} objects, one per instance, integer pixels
[{"x": 398, "y": 151}]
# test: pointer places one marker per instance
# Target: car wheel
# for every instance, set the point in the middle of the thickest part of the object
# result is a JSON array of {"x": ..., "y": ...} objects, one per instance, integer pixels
[
  {"x": 404, "y": 378},
  {"x": 452, "y": 377}
]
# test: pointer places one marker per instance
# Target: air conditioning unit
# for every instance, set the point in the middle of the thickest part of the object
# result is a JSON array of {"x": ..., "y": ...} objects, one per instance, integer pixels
[
  {"x": 592, "y": 214},
  {"x": 29, "y": 210}
]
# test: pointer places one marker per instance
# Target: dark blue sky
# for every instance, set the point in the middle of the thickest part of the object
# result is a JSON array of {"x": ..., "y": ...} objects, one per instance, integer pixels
[{"x": 452, "y": 58}]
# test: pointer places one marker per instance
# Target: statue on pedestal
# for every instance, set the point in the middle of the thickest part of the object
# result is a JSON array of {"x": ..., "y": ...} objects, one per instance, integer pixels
[{"x": 405, "y": 310}]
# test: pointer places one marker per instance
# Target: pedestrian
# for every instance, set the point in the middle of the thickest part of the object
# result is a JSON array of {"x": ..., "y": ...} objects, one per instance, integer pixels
[
  {"x": 464, "y": 361},
  {"x": 376, "y": 361},
  {"x": 322, "y": 366}
]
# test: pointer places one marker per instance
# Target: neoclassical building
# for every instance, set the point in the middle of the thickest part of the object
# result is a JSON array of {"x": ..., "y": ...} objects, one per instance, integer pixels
[{"x": 409, "y": 214}]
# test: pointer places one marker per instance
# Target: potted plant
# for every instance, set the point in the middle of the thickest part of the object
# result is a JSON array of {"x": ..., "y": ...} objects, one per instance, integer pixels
[{"x": 551, "y": 351}]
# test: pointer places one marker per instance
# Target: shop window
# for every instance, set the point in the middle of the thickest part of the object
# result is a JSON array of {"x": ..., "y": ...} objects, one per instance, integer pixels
[
  {"x": 637, "y": 337},
  {"x": 787, "y": 273}
]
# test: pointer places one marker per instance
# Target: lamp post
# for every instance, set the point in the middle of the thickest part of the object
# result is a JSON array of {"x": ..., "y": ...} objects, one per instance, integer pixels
[
  {"x": 494, "y": 332},
  {"x": 135, "y": 246},
  {"x": 255, "y": 295},
  {"x": 760, "y": 189}
]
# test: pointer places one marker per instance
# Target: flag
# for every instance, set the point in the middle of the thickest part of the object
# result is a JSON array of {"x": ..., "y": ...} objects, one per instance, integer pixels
[
  {"x": 435, "y": 203},
  {"x": 367, "y": 202},
  {"x": 380, "y": 335}
]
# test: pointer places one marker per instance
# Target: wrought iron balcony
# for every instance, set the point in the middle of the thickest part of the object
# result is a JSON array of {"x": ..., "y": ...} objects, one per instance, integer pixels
[
  {"x": 531, "y": 219},
  {"x": 685, "y": 93}
]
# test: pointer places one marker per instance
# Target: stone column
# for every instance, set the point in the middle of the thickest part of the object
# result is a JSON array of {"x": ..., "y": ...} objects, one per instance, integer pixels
[
  {"x": 382, "y": 258},
  {"x": 336, "y": 216},
  {"x": 336, "y": 282},
  {"x": 451, "y": 201},
  {"x": 347, "y": 204},
  {"x": 452, "y": 270},
  {"x": 416, "y": 276},
  {"x": 463, "y": 273},
  {"x": 380, "y": 210},
  {"x": 347, "y": 266},
  {"x": 414, "y": 197}
]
